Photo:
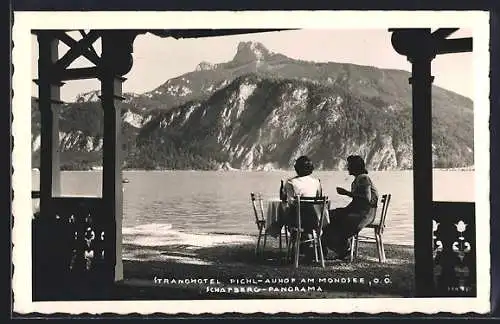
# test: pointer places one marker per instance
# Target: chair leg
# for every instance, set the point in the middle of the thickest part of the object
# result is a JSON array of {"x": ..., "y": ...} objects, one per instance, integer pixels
[
  {"x": 258, "y": 242},
  {"x": 297, "y": 247},
  {"x": 377, "y": 239},
  {"x": 321, "y": 256},
  {"x": 289, "y": 248},
  {"x": 265, "y": 241},
  {"x": 382, "y": 250},
  {"x": 353, "y": 247},
  {"x": 315, "y": 246}
]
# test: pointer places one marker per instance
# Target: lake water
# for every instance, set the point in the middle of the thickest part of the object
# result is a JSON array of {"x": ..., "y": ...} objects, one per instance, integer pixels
[{"x": 161, "y": 206}]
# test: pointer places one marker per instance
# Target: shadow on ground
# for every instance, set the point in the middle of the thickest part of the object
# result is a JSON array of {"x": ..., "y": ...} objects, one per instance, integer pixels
[{"x": 161, "y": 273}]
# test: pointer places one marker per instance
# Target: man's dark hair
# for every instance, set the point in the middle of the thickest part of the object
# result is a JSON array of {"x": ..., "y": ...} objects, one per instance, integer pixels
[
  {"x": 303, "y": 166},
  {"x": 357, "y": 164}
]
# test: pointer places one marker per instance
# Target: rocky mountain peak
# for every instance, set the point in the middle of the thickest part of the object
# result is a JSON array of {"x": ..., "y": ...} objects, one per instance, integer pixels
[
  {"x": 250, "y": 52},
  {"x": 260, "y": 111},
  {"x": 205, "y": 66},
  {"x": 88, "y": 96}
]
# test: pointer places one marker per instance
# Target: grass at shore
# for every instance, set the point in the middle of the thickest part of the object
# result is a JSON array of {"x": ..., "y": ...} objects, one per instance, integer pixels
[{"x": 237, "y": 260}]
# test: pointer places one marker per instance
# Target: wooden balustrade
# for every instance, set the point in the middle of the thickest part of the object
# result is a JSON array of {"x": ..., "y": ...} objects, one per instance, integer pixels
[
  {"x": 454, "y": 249},
  {"x": 72, "y": 251}
]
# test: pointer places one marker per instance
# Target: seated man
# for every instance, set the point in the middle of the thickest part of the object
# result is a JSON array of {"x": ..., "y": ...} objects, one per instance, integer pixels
[{"x": 348, "y": 221}]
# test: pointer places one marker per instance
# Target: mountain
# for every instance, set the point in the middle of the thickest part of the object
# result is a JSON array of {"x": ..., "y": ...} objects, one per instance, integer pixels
[{"x": 261, "y": 110}]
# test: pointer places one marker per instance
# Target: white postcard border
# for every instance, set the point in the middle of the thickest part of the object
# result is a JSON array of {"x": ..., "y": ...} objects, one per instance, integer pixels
[{"x": 21, "y": 180}]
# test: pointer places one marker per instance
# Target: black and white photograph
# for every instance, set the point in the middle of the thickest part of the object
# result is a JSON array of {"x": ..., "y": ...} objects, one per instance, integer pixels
[{"x": 252, "y": 162}]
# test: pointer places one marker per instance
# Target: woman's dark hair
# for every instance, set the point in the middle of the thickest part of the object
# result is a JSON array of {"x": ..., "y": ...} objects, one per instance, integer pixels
[
  {"x": 303, "y": 166},
  {"x": 357, "y": 164}
]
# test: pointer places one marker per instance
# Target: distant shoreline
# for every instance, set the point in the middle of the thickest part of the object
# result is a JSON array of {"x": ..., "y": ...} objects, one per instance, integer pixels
[{"x": 467, "y": 169}]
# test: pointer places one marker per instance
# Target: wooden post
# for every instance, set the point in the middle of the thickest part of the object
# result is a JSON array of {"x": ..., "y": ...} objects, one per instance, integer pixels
[
  {"x": 420, "y": 47},
  {"x": 421, "y": 81},
  {"x": 49, "y": 97},
  {"x": 111, "y": 90}
]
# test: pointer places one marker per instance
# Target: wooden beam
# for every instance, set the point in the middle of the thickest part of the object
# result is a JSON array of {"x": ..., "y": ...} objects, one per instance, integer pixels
[
  {"x": 77, "y": 50},
  {"x": 455, "y": 45},
  {"x": 91, "y": 47},
  {"x": 37, "y": 32},
  {"x": 442, "y": 33},
  {"x": 421, "y": 81},
  {"x": 78, "y": 74},
  {"x": 37, "y": 82},
  {"x": 197, "y": 33},
  {"x": 418, "y": 46},
  {"x": 89, "y": 54},
  {"x": 112, "y": 190},
  {"x": 49, "y": 94}
]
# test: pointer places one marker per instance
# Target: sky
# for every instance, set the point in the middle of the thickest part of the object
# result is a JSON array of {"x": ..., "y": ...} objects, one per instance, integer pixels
[{"x": 158, "y": 59}]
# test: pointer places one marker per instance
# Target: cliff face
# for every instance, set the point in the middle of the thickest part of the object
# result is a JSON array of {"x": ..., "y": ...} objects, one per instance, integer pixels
[
  {"x": 261, "y": 124},
  {"x": 262, "y": 110}
]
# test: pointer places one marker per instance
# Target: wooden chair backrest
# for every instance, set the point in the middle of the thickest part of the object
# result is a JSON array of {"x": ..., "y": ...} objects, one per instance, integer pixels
[
  {"x": 385, "y": 200},
  {"x": 314, "y": 201},
  {"x": 258, "y": 206}
]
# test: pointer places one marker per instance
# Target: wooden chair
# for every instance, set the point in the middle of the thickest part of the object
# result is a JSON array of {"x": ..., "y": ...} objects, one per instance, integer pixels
[
  {"x": 378, "y": 226},
  {"x": 297, "y": 229},
  {"x": 260, "y": 220}
]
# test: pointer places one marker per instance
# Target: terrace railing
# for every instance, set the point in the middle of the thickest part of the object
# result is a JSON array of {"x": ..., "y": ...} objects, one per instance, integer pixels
[
  {"x": 454, "y": 249},
  {"x": 73, "y": 249}
]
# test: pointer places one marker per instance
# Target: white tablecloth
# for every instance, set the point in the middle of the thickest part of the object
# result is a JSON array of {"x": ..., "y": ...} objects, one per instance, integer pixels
[
  {"x": 274, "y": 209},
  {"x": 273, "y": 225}
]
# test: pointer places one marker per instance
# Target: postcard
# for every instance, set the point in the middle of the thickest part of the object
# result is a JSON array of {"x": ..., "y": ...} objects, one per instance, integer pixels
[{"x": 300, "y": 161}]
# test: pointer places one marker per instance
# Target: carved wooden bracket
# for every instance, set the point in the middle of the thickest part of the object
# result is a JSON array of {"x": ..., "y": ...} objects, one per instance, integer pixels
[
  {"x": 421, "y": 43},
  {"x": 117, "y": 58}
]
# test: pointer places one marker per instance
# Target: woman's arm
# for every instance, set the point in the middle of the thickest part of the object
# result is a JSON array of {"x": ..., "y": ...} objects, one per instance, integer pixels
[
  {"x": 342, "y": 191},
  {"x": 362, "y": 189}
]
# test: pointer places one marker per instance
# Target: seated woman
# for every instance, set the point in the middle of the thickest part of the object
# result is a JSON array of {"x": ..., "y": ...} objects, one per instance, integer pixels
[
  {"x": 305, "y": 185},
  {"x": 348, "y": 221}
]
